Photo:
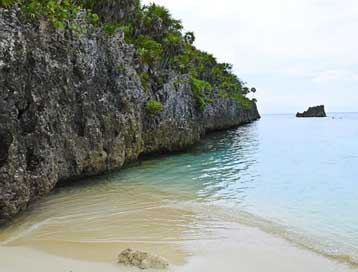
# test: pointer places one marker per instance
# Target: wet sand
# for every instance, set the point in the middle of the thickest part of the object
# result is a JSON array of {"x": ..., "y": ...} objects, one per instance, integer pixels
[{"x": 240, "y": 249}]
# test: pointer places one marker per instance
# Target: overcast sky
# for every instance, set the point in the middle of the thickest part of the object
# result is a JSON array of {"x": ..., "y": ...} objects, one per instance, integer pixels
[{"x": 296, "y": 53}]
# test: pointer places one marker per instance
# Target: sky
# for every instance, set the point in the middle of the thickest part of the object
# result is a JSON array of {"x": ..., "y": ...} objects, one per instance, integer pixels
[{"x": 297, "y": 53}]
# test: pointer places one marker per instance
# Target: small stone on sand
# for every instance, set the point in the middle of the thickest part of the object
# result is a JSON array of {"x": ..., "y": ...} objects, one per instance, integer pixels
[{"x": 142, "y": 260}]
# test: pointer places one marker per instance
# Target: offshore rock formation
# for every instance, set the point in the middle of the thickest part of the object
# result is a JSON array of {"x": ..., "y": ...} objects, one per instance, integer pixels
[
  {"x": 67, "y": 112},
  {"x": 317, "y": 111}
]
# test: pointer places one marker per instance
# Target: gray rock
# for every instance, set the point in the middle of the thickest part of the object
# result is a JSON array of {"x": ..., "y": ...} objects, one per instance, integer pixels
[
  {"x": 67, "y": 112},
  {"x": 142, "y": 260},
  {"x": 317, "y": 111}
]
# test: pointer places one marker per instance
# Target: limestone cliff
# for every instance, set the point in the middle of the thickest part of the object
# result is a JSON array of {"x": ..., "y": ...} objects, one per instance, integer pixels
[{"x": 66, "y": 112}]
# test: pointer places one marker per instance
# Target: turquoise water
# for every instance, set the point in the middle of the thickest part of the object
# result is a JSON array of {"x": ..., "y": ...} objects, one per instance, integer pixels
[
  {"x": 300, "y": 175},
  {"x": 296, "y": 178}
]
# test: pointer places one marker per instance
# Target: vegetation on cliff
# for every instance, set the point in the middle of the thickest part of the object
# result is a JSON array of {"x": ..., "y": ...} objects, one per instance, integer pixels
[
  {"x": 153, "y": 107},
  {"x": 161, "y": 45}
]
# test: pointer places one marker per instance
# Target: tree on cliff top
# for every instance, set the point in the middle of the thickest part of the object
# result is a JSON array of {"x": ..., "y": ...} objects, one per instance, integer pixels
[{"x": 158, "y": 37}]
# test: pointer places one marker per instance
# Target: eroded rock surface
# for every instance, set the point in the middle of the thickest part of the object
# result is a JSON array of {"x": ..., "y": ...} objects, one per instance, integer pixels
[{"x": 142, "y": 260}]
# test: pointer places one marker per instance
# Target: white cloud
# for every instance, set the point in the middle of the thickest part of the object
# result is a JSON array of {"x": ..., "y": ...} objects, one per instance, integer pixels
[{"x": 275, "y": 44}]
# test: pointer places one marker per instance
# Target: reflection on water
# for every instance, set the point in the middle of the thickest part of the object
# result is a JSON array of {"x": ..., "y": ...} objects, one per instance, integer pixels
[
  {"x": 103, "y": 218},
  {"x": 287, "y": 176}
]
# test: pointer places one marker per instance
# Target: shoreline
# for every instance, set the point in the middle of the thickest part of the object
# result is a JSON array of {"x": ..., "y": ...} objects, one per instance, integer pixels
[
  {"x": 233, "y": 234},
  {"x": 298, "y": 239},
  {"x": 241, "y": 249}
]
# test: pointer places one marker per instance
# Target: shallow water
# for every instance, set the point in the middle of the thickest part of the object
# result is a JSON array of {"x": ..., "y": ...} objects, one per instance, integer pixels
[{"x": 292, "y": 177}]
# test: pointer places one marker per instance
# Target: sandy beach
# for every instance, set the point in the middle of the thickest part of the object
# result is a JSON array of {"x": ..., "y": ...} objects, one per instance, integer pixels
[{"x": 249, "y": 249}]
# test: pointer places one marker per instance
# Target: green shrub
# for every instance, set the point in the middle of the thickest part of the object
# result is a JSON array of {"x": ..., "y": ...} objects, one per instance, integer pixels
[
  {"x": 153, "y": 107},
  {"x": 199, "y": 88},
  {"x": 172, "y": 38},
  {"x": 92, "y": 17},
  {"x": 242, "y": 101},
  {"x": 7, "y": 3},
  {"x": 245, "y": 90},
  {"x": 172, "y": 44},
  {"x": 128, "y": 32},
  {"x": 59, "y": 13},
  {"x": 149, "y": 50},
  {"x": 145, "y": 80},
  {"x": 153, "y": 13},
  {"x": 110, "y": 28}
]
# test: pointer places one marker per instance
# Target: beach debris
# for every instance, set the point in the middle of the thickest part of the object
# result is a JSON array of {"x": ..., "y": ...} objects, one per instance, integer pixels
[{"x": 141, "y": 259}]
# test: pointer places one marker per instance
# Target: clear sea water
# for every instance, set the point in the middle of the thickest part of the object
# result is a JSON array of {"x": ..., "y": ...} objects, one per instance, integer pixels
[{"x": 297, "y": 178}]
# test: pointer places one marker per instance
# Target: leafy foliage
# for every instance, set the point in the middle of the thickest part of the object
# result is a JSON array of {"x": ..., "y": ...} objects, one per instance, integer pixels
[
  {"x": 110, "y": 28},
  {"x": 149, "y": 50},
  {"x": 153, "y": 107},
  {"x": 161, "y": 46},
  {"x": 201, "y": 90},
  {"x": 145, "y": 78},
  {"x": 7, "y": 3},
  {"x": 58, "y": 12},
  {"x": 243, "y": 101}
]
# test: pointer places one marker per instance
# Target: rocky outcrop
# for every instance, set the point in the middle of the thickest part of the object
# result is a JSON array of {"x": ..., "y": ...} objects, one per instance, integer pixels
[
  {"x": 116, "y": 11},
  {"x": 67, "y": 111},
  {"x": 317, "y": 111},
  {"x": 142, "y": 260}
]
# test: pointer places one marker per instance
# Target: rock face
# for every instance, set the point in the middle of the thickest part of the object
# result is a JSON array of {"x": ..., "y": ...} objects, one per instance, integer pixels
[
  {"x": 67, "y": 111},
  {"x": 142, "y": 260},
  {"x": 317, "y": 111}
]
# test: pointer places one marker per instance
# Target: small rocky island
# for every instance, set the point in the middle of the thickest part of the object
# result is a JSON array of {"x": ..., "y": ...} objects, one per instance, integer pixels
[{"x": 317, "y": 111}]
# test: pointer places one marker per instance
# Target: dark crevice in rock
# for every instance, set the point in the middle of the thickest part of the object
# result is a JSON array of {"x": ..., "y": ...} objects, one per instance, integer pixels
[
  {"x": 21, "y": 111},
  {"x": 32, "y": 160},
  {"x": 80, "y": 127},
  {"x": 28, "y": 122},
  {"x": 5, "y": 141},
  {"x": 79, "y": 121}
]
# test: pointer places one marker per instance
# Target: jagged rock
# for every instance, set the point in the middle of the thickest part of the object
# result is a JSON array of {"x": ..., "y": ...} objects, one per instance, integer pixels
[
  {"x": 116, "y": 11},
  {"x": 67, "y": 111},
  {"x": 142, "y": 260},
  {"x": 317, "y": 111}
]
